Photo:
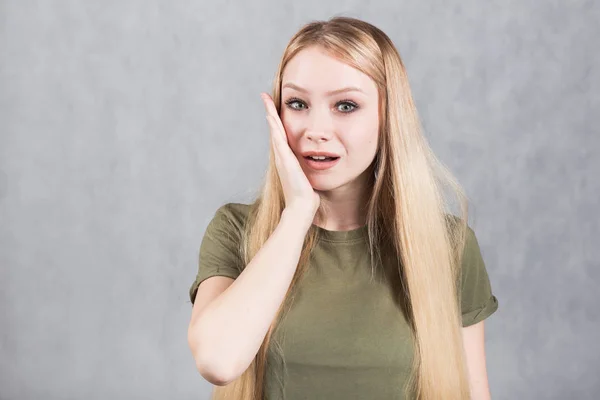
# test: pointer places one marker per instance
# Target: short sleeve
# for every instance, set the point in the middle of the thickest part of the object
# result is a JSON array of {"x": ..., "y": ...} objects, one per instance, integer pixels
[
  {"x": 477, "y": 300},
  {"x": 220, "y": 249}
]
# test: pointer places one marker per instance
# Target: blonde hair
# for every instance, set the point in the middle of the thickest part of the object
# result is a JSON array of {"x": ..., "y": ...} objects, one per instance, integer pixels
[{"x": 406, "y": 213}]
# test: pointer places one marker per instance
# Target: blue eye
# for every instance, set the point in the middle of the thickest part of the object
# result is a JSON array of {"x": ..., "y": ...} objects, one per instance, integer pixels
[
  {"x": 293, "y": 101},
  {"x": 291, "y": 104},
  {"x": 351, "y": 104}
]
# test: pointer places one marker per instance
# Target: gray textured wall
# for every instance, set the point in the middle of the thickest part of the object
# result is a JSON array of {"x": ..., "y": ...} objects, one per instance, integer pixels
[{"x": 125, "y": 124}]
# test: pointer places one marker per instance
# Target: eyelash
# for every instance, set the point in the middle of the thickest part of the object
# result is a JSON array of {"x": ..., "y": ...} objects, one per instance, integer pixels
[{"x": 347, "y": 101}]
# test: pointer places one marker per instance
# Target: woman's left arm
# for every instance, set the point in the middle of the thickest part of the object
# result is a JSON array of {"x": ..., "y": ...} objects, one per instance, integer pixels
[{"x": 474, "y": 344}]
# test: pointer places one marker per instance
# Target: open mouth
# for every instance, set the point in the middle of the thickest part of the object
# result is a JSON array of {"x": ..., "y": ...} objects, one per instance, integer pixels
[{"x": 321, "y": 158}]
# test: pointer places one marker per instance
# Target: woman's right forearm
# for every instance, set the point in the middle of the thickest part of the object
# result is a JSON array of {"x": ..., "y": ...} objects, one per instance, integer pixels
[{"x": 231, "y": 328}]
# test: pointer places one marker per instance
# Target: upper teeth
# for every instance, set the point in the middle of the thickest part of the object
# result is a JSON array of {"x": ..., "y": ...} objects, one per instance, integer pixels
[{"x": 318, "y": 157}]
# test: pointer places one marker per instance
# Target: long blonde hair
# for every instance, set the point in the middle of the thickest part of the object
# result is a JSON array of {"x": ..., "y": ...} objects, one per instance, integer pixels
[{"x": 406, "y": 213}]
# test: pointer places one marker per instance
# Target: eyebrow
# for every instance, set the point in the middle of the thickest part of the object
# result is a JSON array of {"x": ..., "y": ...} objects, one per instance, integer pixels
[{"x": 330, "y": 93}]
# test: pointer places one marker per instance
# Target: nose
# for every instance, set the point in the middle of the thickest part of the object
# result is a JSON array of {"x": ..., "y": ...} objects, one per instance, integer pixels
[
  {"x": 319, "y": 127},
  {"x": 317, "y": 136}
]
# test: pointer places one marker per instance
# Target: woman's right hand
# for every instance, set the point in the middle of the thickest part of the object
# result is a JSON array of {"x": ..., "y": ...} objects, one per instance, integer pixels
[{"x": 298, "y": 192}]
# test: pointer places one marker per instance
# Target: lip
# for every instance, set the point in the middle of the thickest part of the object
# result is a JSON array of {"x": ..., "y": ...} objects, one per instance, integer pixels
[
  {"x": 319, "y": 153},
  {"x": 320, "y": 165}
]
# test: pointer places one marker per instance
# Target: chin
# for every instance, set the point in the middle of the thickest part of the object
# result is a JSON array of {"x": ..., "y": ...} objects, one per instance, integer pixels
[
  {"x": 324, "y": 185},
  {"x": 321, "y": 184}
]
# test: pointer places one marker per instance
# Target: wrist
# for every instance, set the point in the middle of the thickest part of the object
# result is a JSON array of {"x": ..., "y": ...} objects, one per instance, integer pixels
[{"x": 298, "y": 215}]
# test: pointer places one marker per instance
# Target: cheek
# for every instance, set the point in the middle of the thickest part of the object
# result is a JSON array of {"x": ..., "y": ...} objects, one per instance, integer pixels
[
  {"x": 362, "y": 140},
  {"x": 372, "y": 138},
  {"x": 292, "y": 131},
  {"x": 362, "y": 150}
]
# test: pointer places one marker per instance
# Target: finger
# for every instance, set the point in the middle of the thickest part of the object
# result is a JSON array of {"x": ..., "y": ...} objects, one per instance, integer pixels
[
  {"x": 271, "y": 110},
  {"x": 275, "y": 138},
  {"x": 275, "y": 153},
  {"x": 280, "y": 141},
  {"x": 273, "y": 129},
  {"x": 269, "y": 103}
]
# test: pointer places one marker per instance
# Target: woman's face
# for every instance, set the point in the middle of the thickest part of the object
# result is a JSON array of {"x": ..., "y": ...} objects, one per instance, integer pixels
[{"x": 345, "y": 123}]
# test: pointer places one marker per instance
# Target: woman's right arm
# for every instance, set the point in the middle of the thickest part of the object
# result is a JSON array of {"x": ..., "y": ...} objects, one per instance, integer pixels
[{"x": 226, "y": 334}]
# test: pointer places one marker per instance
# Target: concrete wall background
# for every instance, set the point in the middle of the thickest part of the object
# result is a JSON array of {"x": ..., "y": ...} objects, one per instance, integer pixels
[{"x": 125, "y": 124}]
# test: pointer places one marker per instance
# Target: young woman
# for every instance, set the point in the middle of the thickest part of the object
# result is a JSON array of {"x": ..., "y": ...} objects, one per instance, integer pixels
[{"x": 346, "y": 278}]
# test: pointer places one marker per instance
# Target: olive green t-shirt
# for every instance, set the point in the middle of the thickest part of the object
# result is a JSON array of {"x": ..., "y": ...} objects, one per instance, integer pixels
[{"x": 344, "y": 336}]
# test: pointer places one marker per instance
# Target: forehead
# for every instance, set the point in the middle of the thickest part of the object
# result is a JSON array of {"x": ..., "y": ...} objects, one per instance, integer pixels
[{"x": 318, "y": 72}]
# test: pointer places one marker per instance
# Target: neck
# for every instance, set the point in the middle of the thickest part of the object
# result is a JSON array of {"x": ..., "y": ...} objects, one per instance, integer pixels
[{"x": 345, "y": 207}]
